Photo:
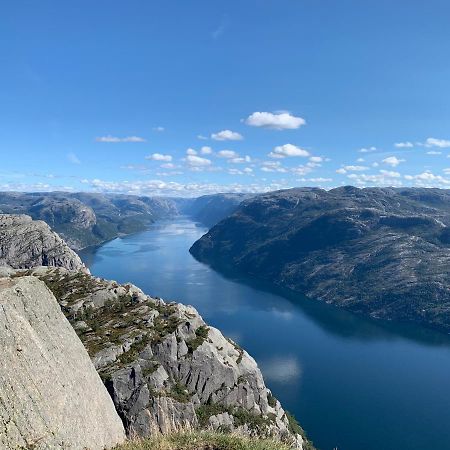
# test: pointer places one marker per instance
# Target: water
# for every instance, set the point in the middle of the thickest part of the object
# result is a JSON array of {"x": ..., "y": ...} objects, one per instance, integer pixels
[{"x": 353, "y": 383}]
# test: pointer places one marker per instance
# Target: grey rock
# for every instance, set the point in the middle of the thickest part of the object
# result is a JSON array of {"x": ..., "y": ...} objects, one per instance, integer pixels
[
  {"x": 25, "y": 243},
  {"x": 50, "y": 394},
  {"x": 162, "y": 364}
]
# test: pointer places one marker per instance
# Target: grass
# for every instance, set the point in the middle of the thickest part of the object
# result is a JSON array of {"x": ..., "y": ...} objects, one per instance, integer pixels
[
  {"x": 202, "y": 441},
  {"x": 201, "y": 334}
]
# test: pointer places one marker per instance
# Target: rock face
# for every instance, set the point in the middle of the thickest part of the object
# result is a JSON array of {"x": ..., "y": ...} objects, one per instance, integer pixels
[
  {"x": 379, "y": 251},
  {"x": 25, "y": 243},
  {"x": 163, "y": 366},
  {"x": 50, "y": 394}
]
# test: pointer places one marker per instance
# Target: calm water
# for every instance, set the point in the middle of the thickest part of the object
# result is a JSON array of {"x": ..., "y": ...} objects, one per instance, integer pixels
[{"x": 353, "y": 383}]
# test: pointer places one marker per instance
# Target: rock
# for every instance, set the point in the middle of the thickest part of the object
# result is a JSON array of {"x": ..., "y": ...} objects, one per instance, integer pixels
[
  {"x": 50, "y": 394},
  {"x": 164, "y": 367},
  {"x": 382, "y": 252},
  {"x": 25, "y": 243}
]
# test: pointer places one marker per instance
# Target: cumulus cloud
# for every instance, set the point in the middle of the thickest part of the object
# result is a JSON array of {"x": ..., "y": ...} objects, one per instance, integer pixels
[
  {"x": 114, "y": 139},
  {"x": 383, "y": 178},
  {"x": 276, "y": 121},
  {"x": 433, "y": 142},
  {"x": 191, "y": 151},
  {"x": 367, "y": 150},
  {"x": 406, "y": 144},
  {"x": 346, "y": 169},
  {"x": 159, "y": 157},
  {"x": 240, "y": 160},
  {"x": 392, "y": 161},
  {"x": 227, "y": 154},
  {"x": 226, "y": 135},
  {"x": 288, "y": 150},
  {"x": 205, "y": 150},
  {"x": 434, "y": 152},
  {"x": 197, "y": 161},
  {"x": 316, "y": 159},
  {"x": 273, "y": 166}
]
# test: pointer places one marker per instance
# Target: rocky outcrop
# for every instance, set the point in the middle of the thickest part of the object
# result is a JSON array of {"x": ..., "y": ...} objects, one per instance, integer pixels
[
  {"x": 50, "y": 394},
  {"x": 25, "y": 243},
  {"x": 164, "y": 367},
  {"x": 379, "y": 251}
]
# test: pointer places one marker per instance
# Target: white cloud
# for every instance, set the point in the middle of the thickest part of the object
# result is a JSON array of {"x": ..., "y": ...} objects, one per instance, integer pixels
[
  {"x": 201, "y": 137},
  {"x": 360, "y": 160},
  {"x": 205, "y": 150},
  {"x": 288, "y": 150},
  {"x": 367, "y": 150},
  {"x": 320, "y": 180},
  {"x": 392, "y": 161},
  {"x": 434, "y": 152},
  {"x": 240, "y": 160},
  {"x": 72, "y": 158},
  {"x": 114, "y": 139},
  {"x": 226, "y": 135},
  {"x": 383, "y": 178},
  {"x": 197, "y": 161},
  {"x": 158, "y": 129},
  {"x": 168, "y": 166},
  {"x": 277, "y": 121},
  {"x": 433, "y": 142},
  {"x": 404, "y": 144},
  {"x": 273, "y": 166},
  {"x": 355, "y": 168},
  {"x": 159, "y": 157},
  {"x": 191, "y": 151},
  {"x": 227, "y": 154},
  {"x": 316, "y": 159},
  {"x": 428, "y": 179},
  {"x": 341, "y": 171}
]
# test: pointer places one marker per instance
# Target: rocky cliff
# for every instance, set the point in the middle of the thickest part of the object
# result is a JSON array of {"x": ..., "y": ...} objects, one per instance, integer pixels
[
  {"x": 50, "y": 394},
  {"x": 26, "y": 243},
  {"x": 164, "y": 367},
  {"x": 379, "y": 251}
]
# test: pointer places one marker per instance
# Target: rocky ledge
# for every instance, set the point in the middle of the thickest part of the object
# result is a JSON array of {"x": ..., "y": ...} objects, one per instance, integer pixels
[
  {"x": 164, "y": 367},
  {"x": 26, "y": 243}
]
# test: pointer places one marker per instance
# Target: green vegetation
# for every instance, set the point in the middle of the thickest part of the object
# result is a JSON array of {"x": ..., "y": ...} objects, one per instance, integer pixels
[
  {"x": 180, "y": 393},
  {"x": 202, "y": 441},
  {"x": 241, "y": 416},
  {"x": 201, "y": 334},
  {"x": 295, "y": 427}
]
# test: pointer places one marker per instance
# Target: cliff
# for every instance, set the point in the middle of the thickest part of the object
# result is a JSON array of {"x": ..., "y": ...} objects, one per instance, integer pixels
[
  {"x": 164, "y": 367},
  {"x": 26, "y": 243},
  {"x": 383, "y": 252},
  {"x": 50, "y": 394}
]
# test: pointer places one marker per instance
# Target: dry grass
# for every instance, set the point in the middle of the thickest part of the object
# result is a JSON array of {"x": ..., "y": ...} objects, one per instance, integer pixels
[{"x": 202, "y": 441}]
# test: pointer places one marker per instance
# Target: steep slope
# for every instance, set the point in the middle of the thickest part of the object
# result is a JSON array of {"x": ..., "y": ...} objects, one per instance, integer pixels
[
  {"x": 26, "y": 243},
  {"x": 211, "y": 209},
  {"x": 85, "y": 219},
  {"x": 50, "y": 394},
  {"x": 164, "y": 367},
  {"x": 383, "y": 252}
]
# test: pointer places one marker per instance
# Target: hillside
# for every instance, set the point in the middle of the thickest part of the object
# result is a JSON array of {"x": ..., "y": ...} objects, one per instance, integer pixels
[
  {"x": 85, "y": 219},
  {"x": 379, "y": 251}
]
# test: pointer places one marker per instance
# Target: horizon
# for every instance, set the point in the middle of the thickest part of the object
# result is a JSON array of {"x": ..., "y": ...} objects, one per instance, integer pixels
[{"x": 169, "y": 99}]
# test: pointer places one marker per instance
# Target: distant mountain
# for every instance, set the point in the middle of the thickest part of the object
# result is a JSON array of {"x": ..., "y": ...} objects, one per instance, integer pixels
[
  {"x": 211, "y": 209},
  {"x": 384, "y": 252},
  {"x": 85, "y": 219}
]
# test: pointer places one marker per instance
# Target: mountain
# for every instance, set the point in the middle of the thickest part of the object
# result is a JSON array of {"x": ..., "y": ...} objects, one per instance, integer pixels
[
  {"x": 26, "y": 243},
  {"x": 383, "y": 252},
  {"x": 85, "y": 219},
  {"x": 211, "y": 209},
  {"x": 51, "y": 395}
]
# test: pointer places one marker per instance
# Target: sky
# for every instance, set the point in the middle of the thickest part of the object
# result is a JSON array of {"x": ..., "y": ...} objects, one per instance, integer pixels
[{"x": 184, "y": 98}]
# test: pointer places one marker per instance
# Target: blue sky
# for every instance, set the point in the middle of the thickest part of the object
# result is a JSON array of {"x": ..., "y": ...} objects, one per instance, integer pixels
[{"x": 189, "y": 97}]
